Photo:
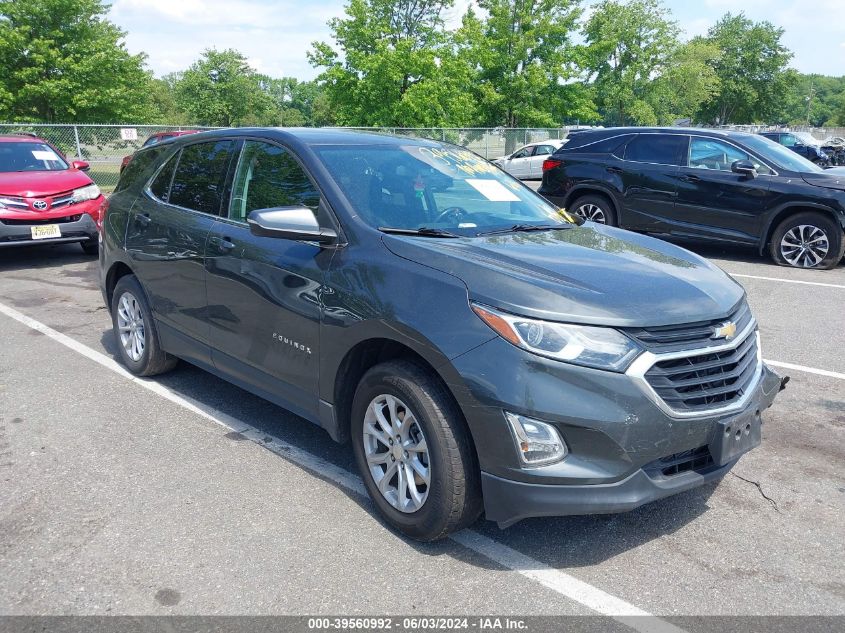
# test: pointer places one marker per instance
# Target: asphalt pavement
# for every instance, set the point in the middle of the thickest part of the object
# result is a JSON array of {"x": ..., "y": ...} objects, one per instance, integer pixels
[{"x": 186, "y": 495}]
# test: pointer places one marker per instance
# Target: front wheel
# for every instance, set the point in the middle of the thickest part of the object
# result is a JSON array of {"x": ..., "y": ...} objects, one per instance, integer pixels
[
  {"x": 414, "y": 453},
  {"x": 808, "y": 240}
]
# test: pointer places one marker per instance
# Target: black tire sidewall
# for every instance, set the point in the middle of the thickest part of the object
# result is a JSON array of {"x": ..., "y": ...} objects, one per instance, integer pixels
[
  {"x": 130, "y": 284},
  {"x": 833, "y": 231},
  {"x": 429, "y": 521},
  {"x": 602, "y": 203}
]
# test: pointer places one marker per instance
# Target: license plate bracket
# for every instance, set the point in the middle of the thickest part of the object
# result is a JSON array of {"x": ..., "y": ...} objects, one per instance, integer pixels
[
  {"x": 735, "y": 437},
  {"x": 45, "y": 231}
]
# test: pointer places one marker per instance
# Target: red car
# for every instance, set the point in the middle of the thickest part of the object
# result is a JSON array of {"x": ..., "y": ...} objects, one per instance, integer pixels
[
  {"x": 155, "y": 139},
  {"x": 43, "y": 198}
]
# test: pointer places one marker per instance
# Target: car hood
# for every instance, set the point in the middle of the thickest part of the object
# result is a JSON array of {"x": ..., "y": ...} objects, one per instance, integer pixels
[
  {"x": 32, "y": 184},
  {"x": 830, "y": 179},
  {"x": 589, "y": 274}
]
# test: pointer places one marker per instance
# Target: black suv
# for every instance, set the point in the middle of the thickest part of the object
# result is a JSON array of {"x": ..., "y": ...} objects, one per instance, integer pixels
[
  {"x": 479, "y": 348},
  {"x": 726, "y": 187}
]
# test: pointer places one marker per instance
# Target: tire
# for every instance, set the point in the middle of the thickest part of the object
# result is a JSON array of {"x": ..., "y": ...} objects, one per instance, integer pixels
[
  {"x": 594, "y": 208},
  {"x": 808, "y": 228},
  {"x": 451, "y": 500},
  {"x": 90, "y": 247},
  {"x": 144, "y": 356}
]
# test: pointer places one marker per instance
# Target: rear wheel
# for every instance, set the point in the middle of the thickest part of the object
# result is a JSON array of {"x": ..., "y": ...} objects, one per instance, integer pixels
[
  {"x": 135, "y": 330},
  {"x": 808, "y": 240},
  {"x": 594, "y": 208},
  {"x": 413, "y": 451}
]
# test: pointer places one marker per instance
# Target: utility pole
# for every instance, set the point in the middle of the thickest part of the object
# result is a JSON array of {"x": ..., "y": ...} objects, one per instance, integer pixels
[{"x": 809, "y": 99}]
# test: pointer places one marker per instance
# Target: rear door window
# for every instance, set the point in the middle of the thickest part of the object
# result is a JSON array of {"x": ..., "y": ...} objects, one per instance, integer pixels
[
  {"x": 200, "y": 176},
  {"x": 544, "y": 150},
  {"x": 662, "y": 149}
]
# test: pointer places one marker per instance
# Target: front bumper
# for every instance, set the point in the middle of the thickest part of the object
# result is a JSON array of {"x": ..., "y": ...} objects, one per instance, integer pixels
[
  {"x": 76, "y": 225},
  {"x": 618, "y": 437}
]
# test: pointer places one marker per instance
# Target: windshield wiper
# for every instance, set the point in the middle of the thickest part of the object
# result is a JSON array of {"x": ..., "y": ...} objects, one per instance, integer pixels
[
  {"x": 525, "y": 228},
  {"x": 423, "y": 230}
]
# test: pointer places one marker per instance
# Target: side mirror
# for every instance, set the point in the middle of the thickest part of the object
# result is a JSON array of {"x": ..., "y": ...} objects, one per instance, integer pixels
[
  {"x": 81, "y": 165},
  {"x": 745, "y": 168},
  {"x": 289, "y": 223}
]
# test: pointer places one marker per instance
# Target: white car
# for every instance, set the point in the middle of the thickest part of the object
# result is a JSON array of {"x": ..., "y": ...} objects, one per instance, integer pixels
[{"x": 527, "y": 161}]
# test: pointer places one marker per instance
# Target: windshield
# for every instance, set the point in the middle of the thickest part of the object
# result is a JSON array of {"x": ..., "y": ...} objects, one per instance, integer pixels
[
  {"x": 29, "y": 157},
  {"x": 807, "y": 138},
  {"x": 412, "y": 187},
  {"x": 780, "y": 156}
]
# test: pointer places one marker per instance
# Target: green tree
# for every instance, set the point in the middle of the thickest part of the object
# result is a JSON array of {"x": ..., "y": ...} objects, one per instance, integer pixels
[
  {"x": 628, "y": 44},
  {"x": 392, "y": 64},
  {"x": 63, "y": 61},
  {"x": 222, "y": 89},
  {"x": 687, "y": 81},
  {"x": 752, "y": 71},
  {"x": 524, "y": 52}
]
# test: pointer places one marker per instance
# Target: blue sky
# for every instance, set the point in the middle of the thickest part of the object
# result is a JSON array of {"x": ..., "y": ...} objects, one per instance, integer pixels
[{"x": 275, "y": 34}]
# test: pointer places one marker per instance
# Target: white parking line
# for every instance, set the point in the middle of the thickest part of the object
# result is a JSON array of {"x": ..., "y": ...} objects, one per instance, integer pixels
[
  {"x": 809, "y": 370},
  {"x": 789, "y": 281},
  {"x": 560, "y": 582}
]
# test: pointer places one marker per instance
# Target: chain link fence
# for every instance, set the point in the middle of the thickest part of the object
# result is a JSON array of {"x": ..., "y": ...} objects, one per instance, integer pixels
[
  {"x": 104, "y": 146},
  {"x": 101, "y": 146}
]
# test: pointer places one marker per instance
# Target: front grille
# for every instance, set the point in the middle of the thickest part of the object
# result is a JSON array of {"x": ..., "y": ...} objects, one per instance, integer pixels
[
  {"x": 694, "y": 460},
  {"x": 62, "y": 220},
  {"x": 14, "y": 202},
  {"x": 702, "y": 381},
  {"x": 689, "y": 335},
  {"x": 62, "y": 200}
]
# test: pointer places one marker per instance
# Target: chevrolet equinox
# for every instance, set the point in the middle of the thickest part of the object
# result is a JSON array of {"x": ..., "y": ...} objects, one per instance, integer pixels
[{"x": 481, "y": 349}]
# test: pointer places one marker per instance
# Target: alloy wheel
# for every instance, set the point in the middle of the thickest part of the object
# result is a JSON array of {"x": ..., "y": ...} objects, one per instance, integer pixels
[
  {"x": 804, "y": 246},
  {"x": 130, "y": 326},
  {"x": 397, "y": 453},
  {"x": 592, "y": 212}
]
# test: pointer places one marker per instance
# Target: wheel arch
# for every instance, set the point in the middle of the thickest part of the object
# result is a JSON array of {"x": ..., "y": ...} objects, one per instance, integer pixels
[
  {"x": 794, "y": 209},
  {"x": 117, "y": 270},
  {"x": 579, "y": 191},
  {"x": 372, "y": 351}
]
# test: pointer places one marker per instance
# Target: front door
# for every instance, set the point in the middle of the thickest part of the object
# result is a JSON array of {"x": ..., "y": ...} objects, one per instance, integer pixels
[
  {"x": 715, "y": 202},
  {"x": 264, "y": 303},
  {"x": 166, "y": 240},
  {"x": 519, "y": 163}
]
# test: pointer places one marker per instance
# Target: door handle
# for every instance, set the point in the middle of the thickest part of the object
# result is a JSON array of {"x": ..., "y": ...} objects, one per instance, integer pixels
[
  {"x": 143, "y": 219},
  {"x": 614, "y": 170},
  {"x": 223, "y": 244},
  {"x": 690, "y": 178}
]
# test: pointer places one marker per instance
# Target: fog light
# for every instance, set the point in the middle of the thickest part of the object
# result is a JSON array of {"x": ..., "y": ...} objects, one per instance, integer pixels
[{"x": 537, "y": 443}]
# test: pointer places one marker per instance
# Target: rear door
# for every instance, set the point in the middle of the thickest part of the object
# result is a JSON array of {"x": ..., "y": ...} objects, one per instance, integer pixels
[
  {"x": 715, "y": 202},
  {"x": 264, "y": 302},
  {"x": 649, "y": 172},
  {"x": 166, "y": 239}
]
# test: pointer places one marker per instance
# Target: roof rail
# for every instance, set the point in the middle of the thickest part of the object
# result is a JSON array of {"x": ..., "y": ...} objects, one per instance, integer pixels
[{"x": 31, "y": 134}]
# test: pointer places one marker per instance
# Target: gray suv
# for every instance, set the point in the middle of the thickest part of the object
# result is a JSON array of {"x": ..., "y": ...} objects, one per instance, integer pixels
[{"x": 481, "y": 349}]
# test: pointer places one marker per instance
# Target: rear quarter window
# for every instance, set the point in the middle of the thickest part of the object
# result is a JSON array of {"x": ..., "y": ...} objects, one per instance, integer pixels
[{"x": 137, "y": 168}]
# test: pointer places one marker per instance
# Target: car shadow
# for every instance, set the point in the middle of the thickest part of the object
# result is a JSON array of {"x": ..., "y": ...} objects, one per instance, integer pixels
[
  {"x": 733, "y": 253},
  {"x": 562, "y": 542},
  {"x": 42, "y": 256}
]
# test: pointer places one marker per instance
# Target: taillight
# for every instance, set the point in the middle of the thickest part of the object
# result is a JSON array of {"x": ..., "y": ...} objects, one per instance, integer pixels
[{"x": 551, "y": 163}]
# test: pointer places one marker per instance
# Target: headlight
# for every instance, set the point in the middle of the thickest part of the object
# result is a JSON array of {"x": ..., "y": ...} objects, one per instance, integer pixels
[
  {"x": 600, "y": 347},
  {"x": 89, "y": 192}
]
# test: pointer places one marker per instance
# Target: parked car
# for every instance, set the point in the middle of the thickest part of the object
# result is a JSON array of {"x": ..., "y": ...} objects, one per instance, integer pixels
[
  {"x": 155, "y": 139},
  {"x": 711, "y": 185},
  {"x": 44, "y": 199},
  {"x": 802, "y": 143},
  {"x": 480, "y": 349},
  {"x": 527, "y": 162}
]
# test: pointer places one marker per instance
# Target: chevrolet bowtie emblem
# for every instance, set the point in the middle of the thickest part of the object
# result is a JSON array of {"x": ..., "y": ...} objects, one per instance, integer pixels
[{"x": 726, "y": 331}]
